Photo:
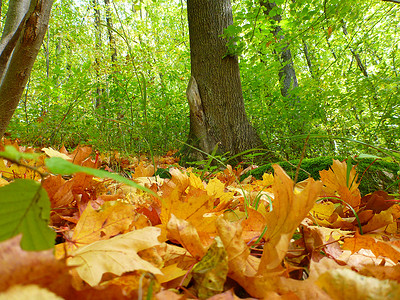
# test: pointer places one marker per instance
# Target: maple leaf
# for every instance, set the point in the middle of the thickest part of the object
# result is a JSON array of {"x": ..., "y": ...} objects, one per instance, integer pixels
[
  {"x": 378, "y": 248},
  {"x": 143, "y": 171},
  {"x": 259, "y": 277},
  {"x": 116, "y": 255},
  {"x": 187, "y": 199},
  {"x": 377, "y": 221},
  {"x": 50, "y": 152},
  {"x": 337, "y": 180},
  {"x": 30, "y": 291},
  {"x": 19, "y": 267},
  {"x": 289, "y": 209},
  {"x": 347, "y": 284},
  {"x": 113, "y": 218},
  {"x": 186, "y": 234}
]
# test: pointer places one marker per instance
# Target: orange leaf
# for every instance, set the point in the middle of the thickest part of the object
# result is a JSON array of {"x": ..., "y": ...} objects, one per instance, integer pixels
[
  {"x": 377, "y": 247},
  {"x": 183, "y": 232},
  {"x": 335, "y": 181},
  {"x": 112, "y": 219},
  {"x": 289, "y": 209}
]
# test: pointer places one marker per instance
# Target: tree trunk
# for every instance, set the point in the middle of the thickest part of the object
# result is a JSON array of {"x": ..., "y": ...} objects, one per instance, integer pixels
[
  {"x": 23, "y": 34},
  {"x": 97, "y": 28},
  {"x": 110, "y": 29},
  {"x": 287, "y": 74},
  {"x": 217, "y": 113}
]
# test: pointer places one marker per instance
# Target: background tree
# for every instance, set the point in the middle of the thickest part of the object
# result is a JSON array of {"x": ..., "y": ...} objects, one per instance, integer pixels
[
  {"x": 217, "y": 113},
  {"x": 23, "y": 33}
]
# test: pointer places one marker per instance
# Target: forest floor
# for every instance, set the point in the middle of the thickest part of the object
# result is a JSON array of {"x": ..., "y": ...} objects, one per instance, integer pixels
[{"x": 189, "y": 233}]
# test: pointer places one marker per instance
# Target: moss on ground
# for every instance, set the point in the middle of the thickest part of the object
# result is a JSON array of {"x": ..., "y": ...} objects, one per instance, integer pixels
[{"x": 379, "y": 175}]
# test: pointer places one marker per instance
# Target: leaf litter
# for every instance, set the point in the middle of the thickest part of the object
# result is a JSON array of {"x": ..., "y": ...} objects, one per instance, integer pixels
[{"x": 193, "y": 238}]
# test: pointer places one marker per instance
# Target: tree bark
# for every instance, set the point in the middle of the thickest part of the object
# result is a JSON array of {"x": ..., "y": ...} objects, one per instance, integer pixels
[
  {"x": 23, "y": 34},
  {"x": 217, "y": 113}
]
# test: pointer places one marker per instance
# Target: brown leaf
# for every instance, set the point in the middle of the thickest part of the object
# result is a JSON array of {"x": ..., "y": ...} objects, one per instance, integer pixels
[
  {"x": 378, "y": 201},
  {"x": 28, "y": 267}
]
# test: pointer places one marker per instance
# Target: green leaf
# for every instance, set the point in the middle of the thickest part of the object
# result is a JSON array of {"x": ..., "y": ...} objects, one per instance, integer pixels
[
  {"x": 210, "y": 273},
  {"x": 365, "y": 155},
  {"x": 13, "y": 154},
  {"x": 25, "y": 208},
  {"x": 58, "y": 165}
]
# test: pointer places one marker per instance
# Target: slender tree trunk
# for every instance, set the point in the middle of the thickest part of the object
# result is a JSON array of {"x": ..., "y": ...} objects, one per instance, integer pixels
[
  {"x": 287, "y": 74},
  {"x": 97, "y": 27},
  {"x": 217, "y": 113},
  {"x": 356, "y": 56},
  {"x": 111, "y": 38},
  {"x": 23, "y": 34}
]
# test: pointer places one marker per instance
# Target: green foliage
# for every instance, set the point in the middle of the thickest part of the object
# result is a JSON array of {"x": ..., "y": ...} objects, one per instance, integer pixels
[
  {"x": 374, "y": 174},
  {"x": 25, "y": 209},
  {"x": 78, "y": 93}
]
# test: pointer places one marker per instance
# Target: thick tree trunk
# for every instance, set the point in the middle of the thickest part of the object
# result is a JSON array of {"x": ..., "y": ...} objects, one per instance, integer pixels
[
  {"x": 217, "y": 113},
  {"x": 23, "y": 34}
]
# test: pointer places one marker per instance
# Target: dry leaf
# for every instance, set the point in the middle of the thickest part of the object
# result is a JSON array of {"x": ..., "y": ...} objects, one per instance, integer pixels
[
  {"x": 116, "y": 255},
  {"x": 335, "y": 181},
  {"x": 347, "y": 284},
  {"x": 113, "y": 218},
  {"x": 289, "y": 209},
  {"x": 185, "y": 233}
]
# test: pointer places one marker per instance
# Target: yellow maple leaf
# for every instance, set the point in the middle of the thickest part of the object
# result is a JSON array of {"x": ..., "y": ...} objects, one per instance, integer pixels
[
  {"x": 188, "y": 202},
  {"x": 93, "y": 225},
  {"x": 116, "y": 255},
  {"x": 216, "y": 189},
  {"x": 185, "y": 233},
  {"x": 347, "y": 284},
  {"x": 336, "y": 182},
  {"x": 289, "y": 209}
]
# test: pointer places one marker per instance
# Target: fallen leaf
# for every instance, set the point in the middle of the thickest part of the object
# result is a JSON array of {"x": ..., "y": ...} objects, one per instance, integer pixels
[
  {"x": 347, "y": 284},
  {"x": 116, "y": 255},
  {"x": 30, "y": 291},
  {"x": 50, "y": 152},
  {"x": 378, "y": 248},
  {"x": 336, "y": 181},
  {"x": 19, "y": 267},
  {"x": 93, "y": 225},
  {"x": 289, "y": 209},
  {"x": 186, "y": 234},
  {"x": 379, "y": 220},
  {"x": 209, "y": 275}
]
